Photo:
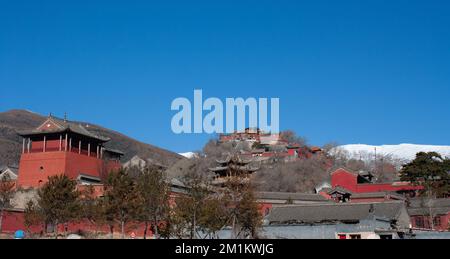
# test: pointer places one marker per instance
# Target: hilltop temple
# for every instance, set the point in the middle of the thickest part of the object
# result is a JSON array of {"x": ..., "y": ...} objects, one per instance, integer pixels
[{"x": 265, "y": 146}]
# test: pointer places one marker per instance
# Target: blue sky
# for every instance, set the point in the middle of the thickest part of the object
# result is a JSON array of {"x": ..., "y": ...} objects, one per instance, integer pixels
[{"x": 374, "y": 72}]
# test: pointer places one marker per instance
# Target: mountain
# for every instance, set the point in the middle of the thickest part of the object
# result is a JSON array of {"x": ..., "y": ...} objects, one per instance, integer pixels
[
  {"x": 402, "y": 151},
  {"x": 16, "y": 120},
  {"x": 188, "y": 155}
]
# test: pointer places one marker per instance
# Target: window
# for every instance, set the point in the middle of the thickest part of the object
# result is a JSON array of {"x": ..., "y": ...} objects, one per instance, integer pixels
[
  {"x": 342, "y": 236},
  {"x": 419, "y": 222},
  {"x": 50, "y": 228},
  {"x": 437, "y": 221},
  {"x": 355, "y": 236}
]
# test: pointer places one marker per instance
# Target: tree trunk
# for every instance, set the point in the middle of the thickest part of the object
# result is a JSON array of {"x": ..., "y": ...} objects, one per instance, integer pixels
[
  {"x": 56, "y": 229},
  {"x": 145, "y": 230},
  {"x": 430, "y": 210},
  {"x": 193, "y": 223},
  {"x": 111, "y": 231},
  {"x": 122, "y": 228},
  {"x": 155, "y": 222},
  {"x": 233, "y": 228},
  {"x": 45, "y": 228},
  {"x": 192, "y": 230},
  {"x": 1, "y": 220}
]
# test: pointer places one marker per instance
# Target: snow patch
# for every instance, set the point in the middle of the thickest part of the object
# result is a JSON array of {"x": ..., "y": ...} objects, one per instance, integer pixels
[
  {"x": 401, "y": 151},
  {"x": 188, "y": 154}
]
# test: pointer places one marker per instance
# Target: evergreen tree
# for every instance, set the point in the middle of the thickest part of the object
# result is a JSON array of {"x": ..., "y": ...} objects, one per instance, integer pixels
[
  {"x": 431, "y": 171},
  {"x": 58, "y": 201},
  {"x": 91, "y": 208},
  {"x": 120, "y": 201},
  {"x": 32, "y": 216}
]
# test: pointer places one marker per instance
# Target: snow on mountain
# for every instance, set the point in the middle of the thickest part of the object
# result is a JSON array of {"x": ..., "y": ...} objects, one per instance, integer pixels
[
  {"x": 402, "y": 151},
  {"x": 188, "y": 154}
]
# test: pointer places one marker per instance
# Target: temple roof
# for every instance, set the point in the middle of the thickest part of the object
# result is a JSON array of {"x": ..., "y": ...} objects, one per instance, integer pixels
[
  {"x": 421, "y": 206},
  {"x": 115, "y": 151},
  {"x": 329, "y": 212},
  {"x": 234, "y": 160},
  {"x": 339, "y": 190},
  {"x": 9, "y": 171},
  {"x": 240, "y": 168},
  {"x": 292, "y": 196},
  {"x": 55, "y": 125}
]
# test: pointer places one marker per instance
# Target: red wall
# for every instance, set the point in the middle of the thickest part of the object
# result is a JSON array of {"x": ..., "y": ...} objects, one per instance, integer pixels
[
  {"x": 14, "y": 220},
  {"x": 349, "y": 181},
  {"x": 78, "y": 163},
  {"x": 444, "y": 226},
  {"x": 345, "y": 179},
  {"x": 387, "y": 187},
  {"x": 53, "y": 145},
  {"x": 30, "y": 173},
  {"x": 55, "y": 163}
]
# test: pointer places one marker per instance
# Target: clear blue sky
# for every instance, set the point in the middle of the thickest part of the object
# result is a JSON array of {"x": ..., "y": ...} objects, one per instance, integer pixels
[{"x": 375, "y": 72}]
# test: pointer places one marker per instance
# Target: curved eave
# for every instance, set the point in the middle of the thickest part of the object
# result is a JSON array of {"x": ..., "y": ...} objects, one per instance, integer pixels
[
  {"x": 36, "y": 133},
  {"x": 115, "y": 151}
]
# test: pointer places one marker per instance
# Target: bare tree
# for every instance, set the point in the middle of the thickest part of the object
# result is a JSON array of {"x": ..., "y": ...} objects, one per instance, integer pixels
[
  {"x": 245, "y": 216},
  {"x": 188, "y": 207},
  {"x": 292, "y": 138},
  {"x": 7, "y": 190},
  {"x": 298, "y": 176},
  {"x": 154, "y": 194}
]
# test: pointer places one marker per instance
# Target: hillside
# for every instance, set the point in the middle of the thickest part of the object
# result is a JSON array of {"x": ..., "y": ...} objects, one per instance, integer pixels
[{"x": 11, "y": 143}]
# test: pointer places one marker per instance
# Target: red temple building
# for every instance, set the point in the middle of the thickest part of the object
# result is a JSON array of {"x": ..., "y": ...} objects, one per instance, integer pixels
[
  {"x": 269, "y": 145},
  {"x": 62, "y": 147},
  {"x": 430, "y": 214},
  {"x": 362, "y": 183}
]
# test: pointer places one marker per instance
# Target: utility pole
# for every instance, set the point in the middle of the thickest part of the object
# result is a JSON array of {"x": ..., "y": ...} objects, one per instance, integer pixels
[{"x": 375, "y": 162}]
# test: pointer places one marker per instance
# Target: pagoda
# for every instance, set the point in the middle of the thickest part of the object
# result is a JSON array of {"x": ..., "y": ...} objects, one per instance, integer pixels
[
  {"x": 60, "y": 147},
  {"x": 233, "y": 166}
]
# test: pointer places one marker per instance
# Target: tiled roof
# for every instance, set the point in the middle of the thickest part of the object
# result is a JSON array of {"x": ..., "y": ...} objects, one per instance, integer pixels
[
  {"x": 13, "y": 169},
  {"x": 331, "y": 212},
  {"x": 116, "y": 151},
  {"x": 64, "y": 126},
  {"x": 421, "y": 207},
  {"x": 377, "y": 195},
  {"x": 340, "y": 190},
  {"x": 292, "y": 196}
]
